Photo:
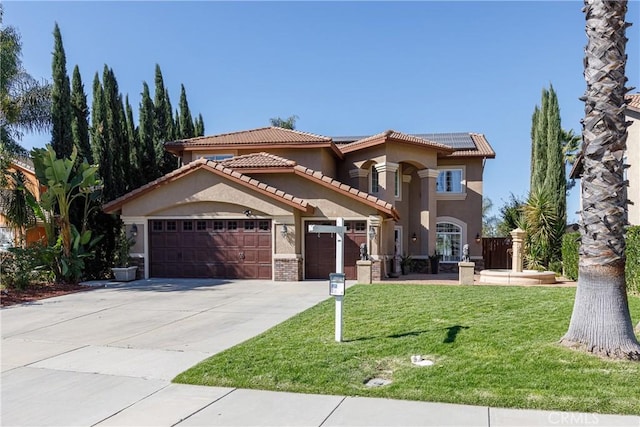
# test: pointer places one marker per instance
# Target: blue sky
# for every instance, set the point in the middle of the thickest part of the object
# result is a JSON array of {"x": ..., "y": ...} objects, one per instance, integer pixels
[{"x": 345, "y": 68}]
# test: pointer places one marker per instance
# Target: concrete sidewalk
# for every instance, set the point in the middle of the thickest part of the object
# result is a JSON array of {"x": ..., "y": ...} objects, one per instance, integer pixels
[{"x": 106, "y": 357}]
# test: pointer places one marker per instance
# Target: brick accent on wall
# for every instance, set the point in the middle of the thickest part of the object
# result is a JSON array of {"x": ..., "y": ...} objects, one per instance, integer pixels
[{"x": 288, "y": 269}]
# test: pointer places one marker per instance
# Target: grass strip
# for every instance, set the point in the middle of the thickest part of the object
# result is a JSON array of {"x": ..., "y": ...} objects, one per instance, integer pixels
[{"x": 494, "y": 346}]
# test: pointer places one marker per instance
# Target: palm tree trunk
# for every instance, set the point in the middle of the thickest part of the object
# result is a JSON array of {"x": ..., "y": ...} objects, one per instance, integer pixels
[{"x": 601, "y": 322}]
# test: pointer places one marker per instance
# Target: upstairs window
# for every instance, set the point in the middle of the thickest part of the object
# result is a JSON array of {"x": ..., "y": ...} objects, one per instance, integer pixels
[
  {"x": 374, "y": 180},
  {"x": 449, "y": 181},
  {"x": 218, "y": 157}
]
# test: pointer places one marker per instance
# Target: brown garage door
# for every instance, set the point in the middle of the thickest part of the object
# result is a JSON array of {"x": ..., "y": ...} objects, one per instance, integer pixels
[
  {"x": 320, "y": 250},
  {"x": 229, "y": 249}
]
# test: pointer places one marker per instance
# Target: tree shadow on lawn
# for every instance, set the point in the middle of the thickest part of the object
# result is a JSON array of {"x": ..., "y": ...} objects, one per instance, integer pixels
[{"x": 452, "y": 333}]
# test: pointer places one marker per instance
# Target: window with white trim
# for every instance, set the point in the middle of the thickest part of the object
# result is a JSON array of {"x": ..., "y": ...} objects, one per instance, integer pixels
[
  {"x": 374, "y": 180},
  {"x": 448, "y": 239},
  {"x": 450, "y": 181},
  {"x": 397, "y": 183}
]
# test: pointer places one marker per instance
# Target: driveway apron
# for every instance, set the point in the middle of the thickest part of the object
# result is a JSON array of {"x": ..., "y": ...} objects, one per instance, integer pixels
[{"x": 80, "y": 359}]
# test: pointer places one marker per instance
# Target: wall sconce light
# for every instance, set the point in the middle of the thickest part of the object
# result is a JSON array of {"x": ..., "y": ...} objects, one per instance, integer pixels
[
  {"x": 133, "y": 230},
  {"x": 414, "y": 237},
  {"x": 478, "y": 238},
  {"x": 372, "y": 232},
  {"x": 284, "y": 231},
  {"x": 247, "y": 212}
]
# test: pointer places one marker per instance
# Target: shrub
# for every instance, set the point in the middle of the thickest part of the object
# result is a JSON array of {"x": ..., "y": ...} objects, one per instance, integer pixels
[
  {"x": 570, "y": 245},
  {"x": 556, "y": 267},
  {"x": 23, "y": 267},
  {"x": 632, "y": 271}
]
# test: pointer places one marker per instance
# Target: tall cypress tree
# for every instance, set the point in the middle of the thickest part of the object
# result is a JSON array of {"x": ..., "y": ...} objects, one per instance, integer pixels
[
  {"x": 548, "y": 182},
  {"x": 115, "y": 139},
  {"x": 555, "y": 182},
  {"x": 186, "y": 121},
  {"x": 146, "y": 117},
  {"x": 198, "y": 126},
  {"x": 61, "y": 134},
  {"x": 163, "y": 124},
  {"x": 540, "y": 132},
  {"x": 101, "y": 152},
  {"x": 136, "y": 161},
  {"x": 80, "y": 117}
]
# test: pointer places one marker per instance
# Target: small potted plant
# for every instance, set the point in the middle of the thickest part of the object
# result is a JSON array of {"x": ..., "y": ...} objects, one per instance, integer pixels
[
  {"x": 122, "y": 270},
  {"x": 434, "y": 260}
]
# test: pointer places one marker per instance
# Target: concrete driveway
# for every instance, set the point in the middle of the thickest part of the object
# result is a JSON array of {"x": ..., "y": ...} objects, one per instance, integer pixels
[{"x": 81, "y": 358}]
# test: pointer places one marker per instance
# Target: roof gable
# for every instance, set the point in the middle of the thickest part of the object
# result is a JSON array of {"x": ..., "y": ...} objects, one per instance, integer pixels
[
  {"x": 263, "y": 135},
  {"x": 264, "y": 163},
  {"x": 456, "y": 144},
  {"x": 392, "y": 136},
  {"x": 260, "y": 138},
  {"x": 217, "y": 169}
]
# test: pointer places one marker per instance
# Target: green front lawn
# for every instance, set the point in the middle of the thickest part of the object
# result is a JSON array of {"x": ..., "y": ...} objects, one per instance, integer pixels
[{"x": 494, "y": 346}]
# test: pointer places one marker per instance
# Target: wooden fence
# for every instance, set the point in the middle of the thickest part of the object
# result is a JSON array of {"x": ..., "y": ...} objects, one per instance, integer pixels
[{"x": 496, "y": 252}]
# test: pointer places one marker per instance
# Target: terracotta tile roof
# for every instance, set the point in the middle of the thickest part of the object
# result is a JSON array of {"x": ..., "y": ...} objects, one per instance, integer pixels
[
  {"x": 266, "y": 135},
  {"x": 633, "y": 101},
  {"x": 483, "y": 148},
  {"x": 218, "y": 169},
  {"x": 393, "y": 136},
  {"x": 347, "y": 190},
  {"x": 258, "y": 160}
]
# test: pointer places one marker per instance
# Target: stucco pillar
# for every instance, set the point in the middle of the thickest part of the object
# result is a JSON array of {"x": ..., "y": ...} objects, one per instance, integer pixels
[
  {"x": 374, "y": 228},
  {"x": 428, "y": 210},
  {"x": 360, "y": 179},
  {"x": 517, "y": 236},
  {"x": 386, "y": 181}
]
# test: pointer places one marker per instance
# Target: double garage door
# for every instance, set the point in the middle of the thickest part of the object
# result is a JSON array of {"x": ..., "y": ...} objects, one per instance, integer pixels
[{"x": 230, "y": 249}]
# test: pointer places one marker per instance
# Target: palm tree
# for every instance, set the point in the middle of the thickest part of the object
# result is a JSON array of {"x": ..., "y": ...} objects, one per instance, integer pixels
[
  {"x": 25, "y": 103},
  {"x": 15, "y": 205},
  {"x": 601, "y": 323},
  {"x": 570, "y": 145}
]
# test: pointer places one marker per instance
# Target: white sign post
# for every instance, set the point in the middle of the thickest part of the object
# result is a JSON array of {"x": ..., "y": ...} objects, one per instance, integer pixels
[{"x": 335, "y": 287}]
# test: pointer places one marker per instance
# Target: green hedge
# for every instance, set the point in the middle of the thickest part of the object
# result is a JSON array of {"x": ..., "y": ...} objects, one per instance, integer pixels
[
  {"x": 633, "y": 259},
  {"x": 570, "y": 245}
]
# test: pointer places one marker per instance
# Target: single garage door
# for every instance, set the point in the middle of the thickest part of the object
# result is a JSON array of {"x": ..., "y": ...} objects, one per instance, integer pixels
[
  {"x": 226, "y": 249},
  {"x": 320, "y": 250}
]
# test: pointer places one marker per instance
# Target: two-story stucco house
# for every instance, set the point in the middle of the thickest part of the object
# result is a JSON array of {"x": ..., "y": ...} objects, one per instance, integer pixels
[{"x": 241, "y": 204}]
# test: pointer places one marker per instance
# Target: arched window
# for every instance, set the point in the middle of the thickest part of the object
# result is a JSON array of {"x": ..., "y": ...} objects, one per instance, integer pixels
[{"x": 448, "y": 241}]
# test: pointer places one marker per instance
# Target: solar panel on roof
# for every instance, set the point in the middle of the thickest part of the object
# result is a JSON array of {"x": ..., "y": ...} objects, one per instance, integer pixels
[{"x": 455, "y": 140}]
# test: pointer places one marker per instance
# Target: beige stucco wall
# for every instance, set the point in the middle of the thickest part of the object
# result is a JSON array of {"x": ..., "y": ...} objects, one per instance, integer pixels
[
  {"x": 320, "y": 159},
  {"x": 203, "y": 193},
  {"x": 633, "y": 160},
  {"x": 469, "y": 210}
]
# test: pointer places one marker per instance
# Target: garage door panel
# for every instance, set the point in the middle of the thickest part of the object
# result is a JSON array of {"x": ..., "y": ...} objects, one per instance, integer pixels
[
  {"x": 211, "y": 248},
  {"x": 320, "y": 250}
]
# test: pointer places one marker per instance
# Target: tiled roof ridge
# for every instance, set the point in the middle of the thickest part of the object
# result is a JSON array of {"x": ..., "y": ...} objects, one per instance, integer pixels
[
  {"x": 248, "y": 131},
  {"x": 347, "y": 189},
  {"x": 285, "y": 162},
  {"x": 256, "y": 183}
]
